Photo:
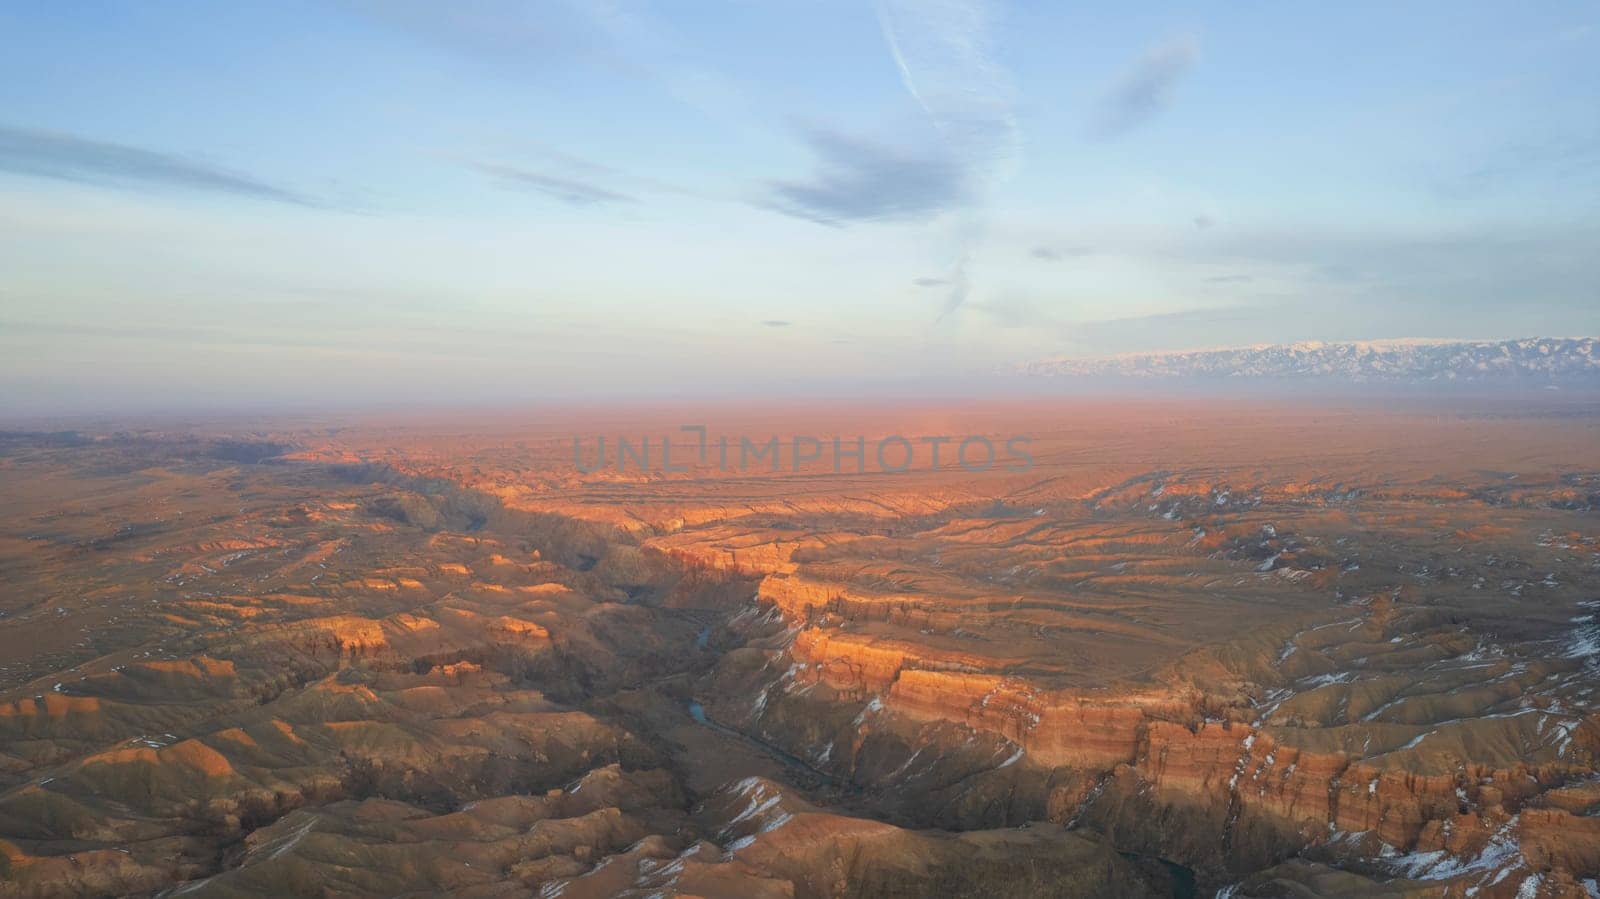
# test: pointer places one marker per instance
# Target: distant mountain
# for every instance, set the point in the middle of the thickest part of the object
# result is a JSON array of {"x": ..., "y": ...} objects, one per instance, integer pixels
[{"x": 1531, "y": 359}]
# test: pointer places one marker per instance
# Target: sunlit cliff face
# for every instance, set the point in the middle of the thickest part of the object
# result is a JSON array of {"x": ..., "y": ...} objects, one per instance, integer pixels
[{"x": 1201, "y": 645}]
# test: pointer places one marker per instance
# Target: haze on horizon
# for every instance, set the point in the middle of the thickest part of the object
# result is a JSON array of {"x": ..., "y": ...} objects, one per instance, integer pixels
[{"x": 206, "y": 205}]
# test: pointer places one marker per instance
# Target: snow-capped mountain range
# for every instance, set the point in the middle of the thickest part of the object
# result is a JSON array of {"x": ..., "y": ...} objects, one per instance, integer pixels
[{"x": 1530, "y": 359}]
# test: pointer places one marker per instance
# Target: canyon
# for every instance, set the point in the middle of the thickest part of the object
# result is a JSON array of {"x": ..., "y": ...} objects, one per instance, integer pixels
[{"x": 1208, "y": 647}]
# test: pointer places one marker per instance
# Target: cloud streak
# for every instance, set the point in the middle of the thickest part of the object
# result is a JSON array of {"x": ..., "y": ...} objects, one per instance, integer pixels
[
  {"x": 68, "y": 157},
  {"x": 858, "y": 180},
  {"x": 1564, "y": 162},
  {"x": 943, "y": 50},
  {"x": 960, "y": 286},
  {"x": 1056, "y": 254},
  {"x": 1146, "y": 88},
  {"x": 1017, "y": 311},
  {"x": 571, "y": 191}
]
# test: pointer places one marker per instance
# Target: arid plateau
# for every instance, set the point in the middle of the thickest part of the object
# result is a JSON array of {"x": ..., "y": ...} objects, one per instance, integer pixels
[{"x": 1201, "y": 647}]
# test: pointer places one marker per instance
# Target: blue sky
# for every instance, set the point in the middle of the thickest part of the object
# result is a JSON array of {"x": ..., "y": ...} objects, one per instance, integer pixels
[{"x": 297, "y": 203}]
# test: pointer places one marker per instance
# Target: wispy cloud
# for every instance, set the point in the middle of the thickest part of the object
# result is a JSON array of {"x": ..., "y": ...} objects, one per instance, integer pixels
[
  {"x": 536, "y": 38},
  {"x": 858, "y": 180},
  {"x": 1056, "y": 254},
  {"x": 1012, "y": 310},
  {"x": 1579, "y": 32},
  {"x": 1567, "y": 162},
  {"x": 480, "y": 28},
  {"x": 944, "y": 52},
  {"x": 68, "y": 157},
  {"x": 931, "y": 282},
  {"x": 777, "y": 323},
  {"x": 960, "y": 285},
  {"x": 568, "y": 190},
  {"x": 650, "y": 46},
  {"x": 1185, "y": 329},
  {"x": 1146, "y": 88}
]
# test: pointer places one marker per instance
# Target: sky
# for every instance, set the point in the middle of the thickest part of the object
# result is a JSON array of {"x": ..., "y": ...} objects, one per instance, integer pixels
[{"x": 328, "y": 204}]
